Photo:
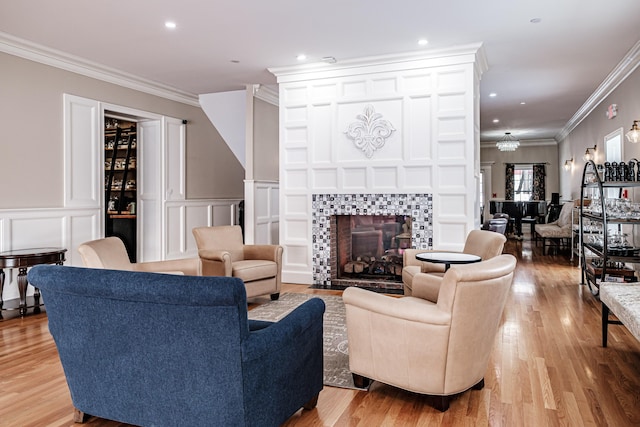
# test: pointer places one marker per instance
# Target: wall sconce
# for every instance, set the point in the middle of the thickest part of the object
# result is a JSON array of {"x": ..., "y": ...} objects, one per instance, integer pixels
[
  {"x": 590, "y": 154},
  {"x": 634, "y": 133},
  {"x": 568, "y": 164}
]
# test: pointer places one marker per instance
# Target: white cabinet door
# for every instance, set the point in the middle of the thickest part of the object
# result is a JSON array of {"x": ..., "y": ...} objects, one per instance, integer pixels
[
  {"x": 83, "y": 153},
  {"x": 150, "y": 191},
  {"x": 174, "y": 159}
]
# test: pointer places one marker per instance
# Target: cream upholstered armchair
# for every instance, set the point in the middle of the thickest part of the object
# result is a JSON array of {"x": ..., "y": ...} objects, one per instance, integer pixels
[
  {"x": 483, "y": 243},
  {"x": 111, "y": 253},
  {"x": 558, "y": 231},
  {"x": 438, "y": 348},
  {"x": 223, "y": 253}
]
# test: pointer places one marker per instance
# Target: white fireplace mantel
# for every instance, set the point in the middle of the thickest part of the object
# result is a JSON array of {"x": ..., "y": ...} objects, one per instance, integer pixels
[{"x": 428, "y": 98}]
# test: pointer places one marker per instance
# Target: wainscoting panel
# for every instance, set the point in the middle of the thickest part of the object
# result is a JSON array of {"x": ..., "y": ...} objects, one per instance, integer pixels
[
  {"x": 83, "y": 227},
  {"x": 38, "y": 228},
  {"x": 175, "y": 234},
  {"x": 183, "y": 216}
]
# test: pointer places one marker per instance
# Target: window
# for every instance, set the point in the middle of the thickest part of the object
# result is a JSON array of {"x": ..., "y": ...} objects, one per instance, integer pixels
[
  {"x": 523, "y": 183},
  {"x": 613, "y": 146}
]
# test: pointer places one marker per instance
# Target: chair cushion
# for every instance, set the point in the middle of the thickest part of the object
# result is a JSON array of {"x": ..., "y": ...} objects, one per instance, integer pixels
[
  {"x": 552, "y": 231},
  {"x": 249, "y": 270}
]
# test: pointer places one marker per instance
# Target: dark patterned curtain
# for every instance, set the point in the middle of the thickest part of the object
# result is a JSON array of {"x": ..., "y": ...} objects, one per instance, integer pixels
[
  {"x": 539, "y": 182},
  {"x": 508, "y": 179}
]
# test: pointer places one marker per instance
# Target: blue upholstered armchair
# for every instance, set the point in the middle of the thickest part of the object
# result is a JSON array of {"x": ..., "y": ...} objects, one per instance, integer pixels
[{"x": 162, "y": 350}]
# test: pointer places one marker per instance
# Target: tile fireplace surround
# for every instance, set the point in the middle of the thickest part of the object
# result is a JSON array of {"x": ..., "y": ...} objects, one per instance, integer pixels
[{"x": 418, "y": 206}]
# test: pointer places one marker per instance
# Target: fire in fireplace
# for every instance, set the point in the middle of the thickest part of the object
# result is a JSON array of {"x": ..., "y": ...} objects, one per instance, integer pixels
[{"x": 370, "y": 247}]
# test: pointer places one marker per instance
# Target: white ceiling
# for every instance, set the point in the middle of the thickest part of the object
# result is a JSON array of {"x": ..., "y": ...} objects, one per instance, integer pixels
[{"x": 553, "y": 66}]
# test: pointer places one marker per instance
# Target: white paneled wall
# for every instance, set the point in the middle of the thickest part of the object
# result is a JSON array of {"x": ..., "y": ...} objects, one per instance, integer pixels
[
  {"x": 431, "y": 101},
  {"x": 262, "y": 207}
]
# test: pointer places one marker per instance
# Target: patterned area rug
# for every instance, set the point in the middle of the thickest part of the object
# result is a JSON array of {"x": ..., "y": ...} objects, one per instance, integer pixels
[{"x": 336, "y": 352}]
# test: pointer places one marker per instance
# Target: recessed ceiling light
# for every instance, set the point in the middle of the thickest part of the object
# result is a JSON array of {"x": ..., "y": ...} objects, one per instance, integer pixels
[
  {"x": 235, "y": 61},
  {"x": 496, "y": 121},
  {"x": 423, "y": 42},
  {"x": 171, "y": 25},
  {"x": 493, "y": 94},
  {"x": 301, "y": 57},
  {"x": 535, "y": 20},
  {"x": 523, "y": 103}
]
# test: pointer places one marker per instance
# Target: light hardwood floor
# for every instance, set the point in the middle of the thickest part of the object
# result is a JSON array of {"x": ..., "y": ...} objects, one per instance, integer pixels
[{"x": 547, "y": 368}]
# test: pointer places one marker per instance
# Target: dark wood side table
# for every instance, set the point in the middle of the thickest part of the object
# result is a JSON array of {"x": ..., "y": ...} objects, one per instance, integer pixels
[
  {"x": 447, "y": 258},
  {"x": 23, "y": 259}
]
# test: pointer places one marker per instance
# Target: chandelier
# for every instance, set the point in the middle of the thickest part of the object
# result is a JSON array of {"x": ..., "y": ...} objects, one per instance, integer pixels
[{"x": 507, "y": 143}]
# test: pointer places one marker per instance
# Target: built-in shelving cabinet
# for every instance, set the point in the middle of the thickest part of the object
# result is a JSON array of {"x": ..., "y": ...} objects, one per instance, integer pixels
[
  {"x": 120, "y": 181},
  {"x": 605, "y": 221}
]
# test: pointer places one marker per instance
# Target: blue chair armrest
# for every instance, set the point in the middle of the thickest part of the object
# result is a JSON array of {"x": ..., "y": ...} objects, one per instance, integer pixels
[
  {"x": 283, "y": 365},
  {"x": 264, "y": 340}
]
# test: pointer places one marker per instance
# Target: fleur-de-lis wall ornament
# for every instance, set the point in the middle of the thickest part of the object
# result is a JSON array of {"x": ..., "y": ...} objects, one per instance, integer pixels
[{"x": 370, "y": 132}]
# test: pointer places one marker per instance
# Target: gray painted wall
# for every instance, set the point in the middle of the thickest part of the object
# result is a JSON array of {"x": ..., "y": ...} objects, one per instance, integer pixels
[
  {"x": 592, "y": 130},
  {"x": 31, "y": 114},
  {"x": 265, "y": 141}
]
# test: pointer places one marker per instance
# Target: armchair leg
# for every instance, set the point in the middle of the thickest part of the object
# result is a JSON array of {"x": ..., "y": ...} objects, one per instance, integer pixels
[
  {"x": 311, "y": 403},
  {"x": 274, "y": 297},
  {"x": 605, "y": 323},
  {"x": 441, "y": 403},
  {"x": 479, "y": 385},
  {"x": 361, "y": 382},
  {"x": 79, "y": 416}
]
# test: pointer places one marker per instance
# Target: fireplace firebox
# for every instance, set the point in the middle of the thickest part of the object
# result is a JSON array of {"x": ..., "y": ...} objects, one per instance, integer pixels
[{"x": 370, "y": 247}]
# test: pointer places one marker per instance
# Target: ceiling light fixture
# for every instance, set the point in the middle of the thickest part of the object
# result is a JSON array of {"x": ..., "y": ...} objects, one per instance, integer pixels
[
  {"x": 423, "y": 42},
  {"x": 567, "y": 164},
  {"x": 590, "y": 153},
  {"x": 301, "y": 57},
  {"x": 496, "y": 120},
  {"x": 493, "y": 94},
  {"x": 170, "y": 25},
  {"x": 508, "y": 143},
  {"x": 634, "y": 133}
]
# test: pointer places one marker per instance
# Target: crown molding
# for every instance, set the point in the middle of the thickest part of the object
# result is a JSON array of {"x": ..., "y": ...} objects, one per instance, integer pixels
[
  {"x": 55, "y": 58},
  {"x": 469, "y": 53},
  {"x": 267, "y": 94},
  {"x": 625, "y": 67}
]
